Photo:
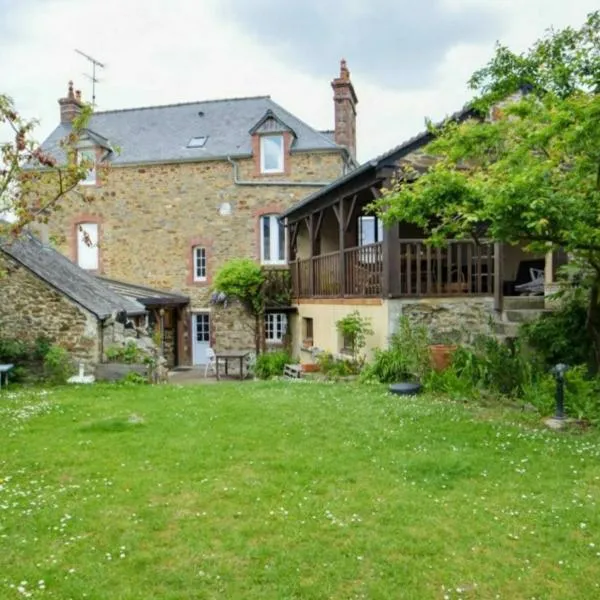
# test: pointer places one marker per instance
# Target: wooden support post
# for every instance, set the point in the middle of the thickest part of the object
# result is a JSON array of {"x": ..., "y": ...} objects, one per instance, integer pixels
[
  {"x": 311, "y": 255},
  {"x": 498, "y": 275},
  {"x": 342, "y": 247},
  {"x": 390, "y": 285}
]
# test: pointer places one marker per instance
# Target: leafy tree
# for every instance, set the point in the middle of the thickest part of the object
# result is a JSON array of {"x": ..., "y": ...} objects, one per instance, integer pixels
[
  {"x": 525, "y": 163},
  {"x": 255, "y": 288},
  {"x": 29, "y": 194}
]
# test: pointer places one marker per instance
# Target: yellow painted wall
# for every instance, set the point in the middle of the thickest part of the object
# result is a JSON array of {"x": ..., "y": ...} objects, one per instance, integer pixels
[{"x": 325, "y": 334}]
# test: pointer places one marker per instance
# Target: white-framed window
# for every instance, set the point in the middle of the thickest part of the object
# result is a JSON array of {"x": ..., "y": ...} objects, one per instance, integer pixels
[
  {"x": 275, "y": 327},
  {"x": 370, "y": 230},
  {"x": 199, "y": 256},
  {"x": 87, "y": 246},
  {"x": 271, "y": 154},
  {"x": 89, "y": 157},
  {"x": 272, "y": 240}
]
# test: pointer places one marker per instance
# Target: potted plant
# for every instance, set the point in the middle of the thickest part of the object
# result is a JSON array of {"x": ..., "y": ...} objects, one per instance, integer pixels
[{"x": 441, "y": 348}]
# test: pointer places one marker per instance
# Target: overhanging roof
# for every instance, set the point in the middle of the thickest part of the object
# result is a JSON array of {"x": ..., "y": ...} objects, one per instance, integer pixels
[
  {"x": 145, "y": 295},
  {"x": 368, "y": 170}
]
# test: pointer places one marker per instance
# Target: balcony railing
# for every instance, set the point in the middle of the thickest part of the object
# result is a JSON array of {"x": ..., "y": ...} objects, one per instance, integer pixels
[{"x": 461, "y": 268}]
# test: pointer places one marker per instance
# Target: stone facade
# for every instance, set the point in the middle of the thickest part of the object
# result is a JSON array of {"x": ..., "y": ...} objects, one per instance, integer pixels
[
  {"x": 151, "y": 216},
  {"x": 29, "y": 307},
  {"x": 463, "y": 317}
]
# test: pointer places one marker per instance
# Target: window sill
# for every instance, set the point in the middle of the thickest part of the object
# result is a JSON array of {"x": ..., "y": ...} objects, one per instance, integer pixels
[
  {"x": 267, "y": 173},
  {"x": 273, "y": 264}
]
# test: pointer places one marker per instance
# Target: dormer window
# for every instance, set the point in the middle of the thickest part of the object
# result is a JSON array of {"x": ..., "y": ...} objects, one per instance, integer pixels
[
  {"x": 87, "y": 157},
  {"x": 271, "y": 154},
  {"x": 197, "y": 142}
]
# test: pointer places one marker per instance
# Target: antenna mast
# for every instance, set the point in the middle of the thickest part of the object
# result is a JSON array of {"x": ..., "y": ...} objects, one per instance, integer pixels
[{"x": 92, "y": 77}]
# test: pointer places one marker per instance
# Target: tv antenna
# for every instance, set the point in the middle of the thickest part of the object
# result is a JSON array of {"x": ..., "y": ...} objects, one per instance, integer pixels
[{"x": 92, "y": 77}]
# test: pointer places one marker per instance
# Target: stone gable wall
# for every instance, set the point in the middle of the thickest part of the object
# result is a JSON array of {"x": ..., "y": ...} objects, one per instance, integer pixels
[
  {"x": 152, "y": 215},
  {"x": 29, "y": 308}
]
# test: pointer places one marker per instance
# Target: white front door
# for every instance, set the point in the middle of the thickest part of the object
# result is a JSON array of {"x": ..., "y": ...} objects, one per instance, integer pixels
[{"x": 201, "y": 337}]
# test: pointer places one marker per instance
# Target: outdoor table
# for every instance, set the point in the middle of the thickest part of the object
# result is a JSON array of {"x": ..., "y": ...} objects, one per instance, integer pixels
[
  {"x": 4, "y": 369},
  {"x": 227, "y": 355}
]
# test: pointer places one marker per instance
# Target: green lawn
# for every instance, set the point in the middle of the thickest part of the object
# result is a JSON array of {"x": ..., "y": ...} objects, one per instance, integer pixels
[{"x": 290, "y": 490}]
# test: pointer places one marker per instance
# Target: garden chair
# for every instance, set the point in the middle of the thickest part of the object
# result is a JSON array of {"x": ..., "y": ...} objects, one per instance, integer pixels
[
  {"x": 211, "y": 362},
  {"x": 250, "y": 364},
  {"x": 535, "y": 286}
]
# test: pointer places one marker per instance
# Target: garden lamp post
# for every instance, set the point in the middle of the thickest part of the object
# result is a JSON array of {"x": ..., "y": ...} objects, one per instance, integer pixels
[{"x": 559, "y": 371}]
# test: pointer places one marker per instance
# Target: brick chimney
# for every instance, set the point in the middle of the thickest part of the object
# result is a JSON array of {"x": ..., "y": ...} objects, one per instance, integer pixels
[
  {"x": 345, "y": 101},
  {"x": 70, "y": 106}
]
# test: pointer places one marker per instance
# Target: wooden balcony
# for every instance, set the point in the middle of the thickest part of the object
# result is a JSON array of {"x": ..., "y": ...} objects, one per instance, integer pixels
[{"x": 412, "y": 269}]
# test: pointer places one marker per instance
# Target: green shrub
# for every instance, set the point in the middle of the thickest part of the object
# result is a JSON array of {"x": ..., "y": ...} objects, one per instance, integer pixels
[
  {"x": 406, "y": 359},
  {"x": 490, "y": 364},
  {"x": 129, "y": 354},
  {"x": 133, "y": 378},
  {"x": 354, "y": 329},
  {"x": 272, "y": 364},
  {"x": 337, "y": 367},
  {"x": 57, "y": 365},
  {"x": 561, "y": 336},
  {"x": 27, "y": 356}
]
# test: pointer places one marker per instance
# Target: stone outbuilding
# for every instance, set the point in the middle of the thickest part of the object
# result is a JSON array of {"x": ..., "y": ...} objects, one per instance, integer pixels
[{"x": 43, "y": 293}]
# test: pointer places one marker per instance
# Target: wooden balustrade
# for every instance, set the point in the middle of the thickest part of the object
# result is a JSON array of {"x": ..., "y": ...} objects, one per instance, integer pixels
[{"x": 459, "y": 268}]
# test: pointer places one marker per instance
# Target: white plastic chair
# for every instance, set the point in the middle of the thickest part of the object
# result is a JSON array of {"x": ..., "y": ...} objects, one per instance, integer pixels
[{"x": 211, "y": 361}]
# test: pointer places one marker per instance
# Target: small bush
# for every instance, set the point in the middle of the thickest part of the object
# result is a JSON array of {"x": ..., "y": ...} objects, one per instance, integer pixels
[
  {"x": 133, "y": 378},
  {"x": 129, "y": 354},
  {"x": 27, "y": 356},
  {"x": 272, "y": 364},
  {"x": 57, "y": 365},
  {"x": 337, "y": 367},
  {"x": 561, "y": 336},
  {"x": 354, "y": 329},
  {"x": 406, "y": 359}
]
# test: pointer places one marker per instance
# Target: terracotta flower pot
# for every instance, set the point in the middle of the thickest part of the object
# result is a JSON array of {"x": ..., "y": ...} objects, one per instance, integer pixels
[
  {"x": 310, "y": 367},
  {"x": 441, "y": 356}
]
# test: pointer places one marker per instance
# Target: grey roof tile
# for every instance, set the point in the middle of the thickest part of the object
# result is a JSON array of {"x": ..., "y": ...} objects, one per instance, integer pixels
[
  {"x": 161, "y": 133},
  {"x": 146, "y": 295},
  {"x": 68, "y": 278}
]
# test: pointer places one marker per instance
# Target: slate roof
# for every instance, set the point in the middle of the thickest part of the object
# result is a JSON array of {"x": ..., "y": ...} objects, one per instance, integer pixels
[
  {"x": 68, "y": 278},
  {"x": 145, "y": 295},
  {"x": 386, "y": 159},
  {"x": 161, "y": 133}
]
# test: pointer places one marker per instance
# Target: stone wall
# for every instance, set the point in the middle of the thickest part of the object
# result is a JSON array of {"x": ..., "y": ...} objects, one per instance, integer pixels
[
  {"x": 30, "y": 308},
  {"x": 151, "y": 216},
  {"x": 465, "y": 316}
]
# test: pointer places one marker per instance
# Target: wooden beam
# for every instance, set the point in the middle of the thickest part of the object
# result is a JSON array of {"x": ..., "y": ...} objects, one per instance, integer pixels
[
  {"x": 376, "y": 193},
  {"x": 391, "y": 283},
  {"x": 337, "y": 212},
  {"x": 342, "y": 246},
  {"x": 311, "y": 254},
  {"x": 498, "y": 276},
  {"x": 319, "y": 223},
  {"x": 350, "y": 212}
]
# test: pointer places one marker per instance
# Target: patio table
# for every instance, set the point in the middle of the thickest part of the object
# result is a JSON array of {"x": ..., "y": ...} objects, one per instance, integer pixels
[{"x": 227, "y": 355}]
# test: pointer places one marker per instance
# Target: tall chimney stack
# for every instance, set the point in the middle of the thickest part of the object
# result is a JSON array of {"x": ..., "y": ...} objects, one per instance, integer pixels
[
  {"x": 70, "y": 106},
  {"x": 345, "y": 101}
]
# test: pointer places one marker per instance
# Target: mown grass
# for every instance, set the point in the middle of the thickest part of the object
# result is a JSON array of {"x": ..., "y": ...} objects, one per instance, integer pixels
[{"x": 290, "y": 490}]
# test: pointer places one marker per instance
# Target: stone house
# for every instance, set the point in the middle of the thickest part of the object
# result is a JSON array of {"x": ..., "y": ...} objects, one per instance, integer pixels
[
  {"x": 180, "y": 189},
  {"x": 343, "y": 259},
  {"x": 44, "y": 293}
]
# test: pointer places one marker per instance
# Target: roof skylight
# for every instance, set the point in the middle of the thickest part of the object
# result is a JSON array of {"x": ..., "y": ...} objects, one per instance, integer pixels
[{"x": 197, "y": 142}]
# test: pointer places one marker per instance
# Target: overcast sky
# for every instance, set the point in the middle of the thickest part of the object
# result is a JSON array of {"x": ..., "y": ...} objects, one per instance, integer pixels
[{"x": 409, "y": 59}]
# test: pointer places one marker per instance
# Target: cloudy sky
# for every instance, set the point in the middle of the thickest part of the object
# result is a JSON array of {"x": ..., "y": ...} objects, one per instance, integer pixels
[{"x": 409, "y": 59}]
